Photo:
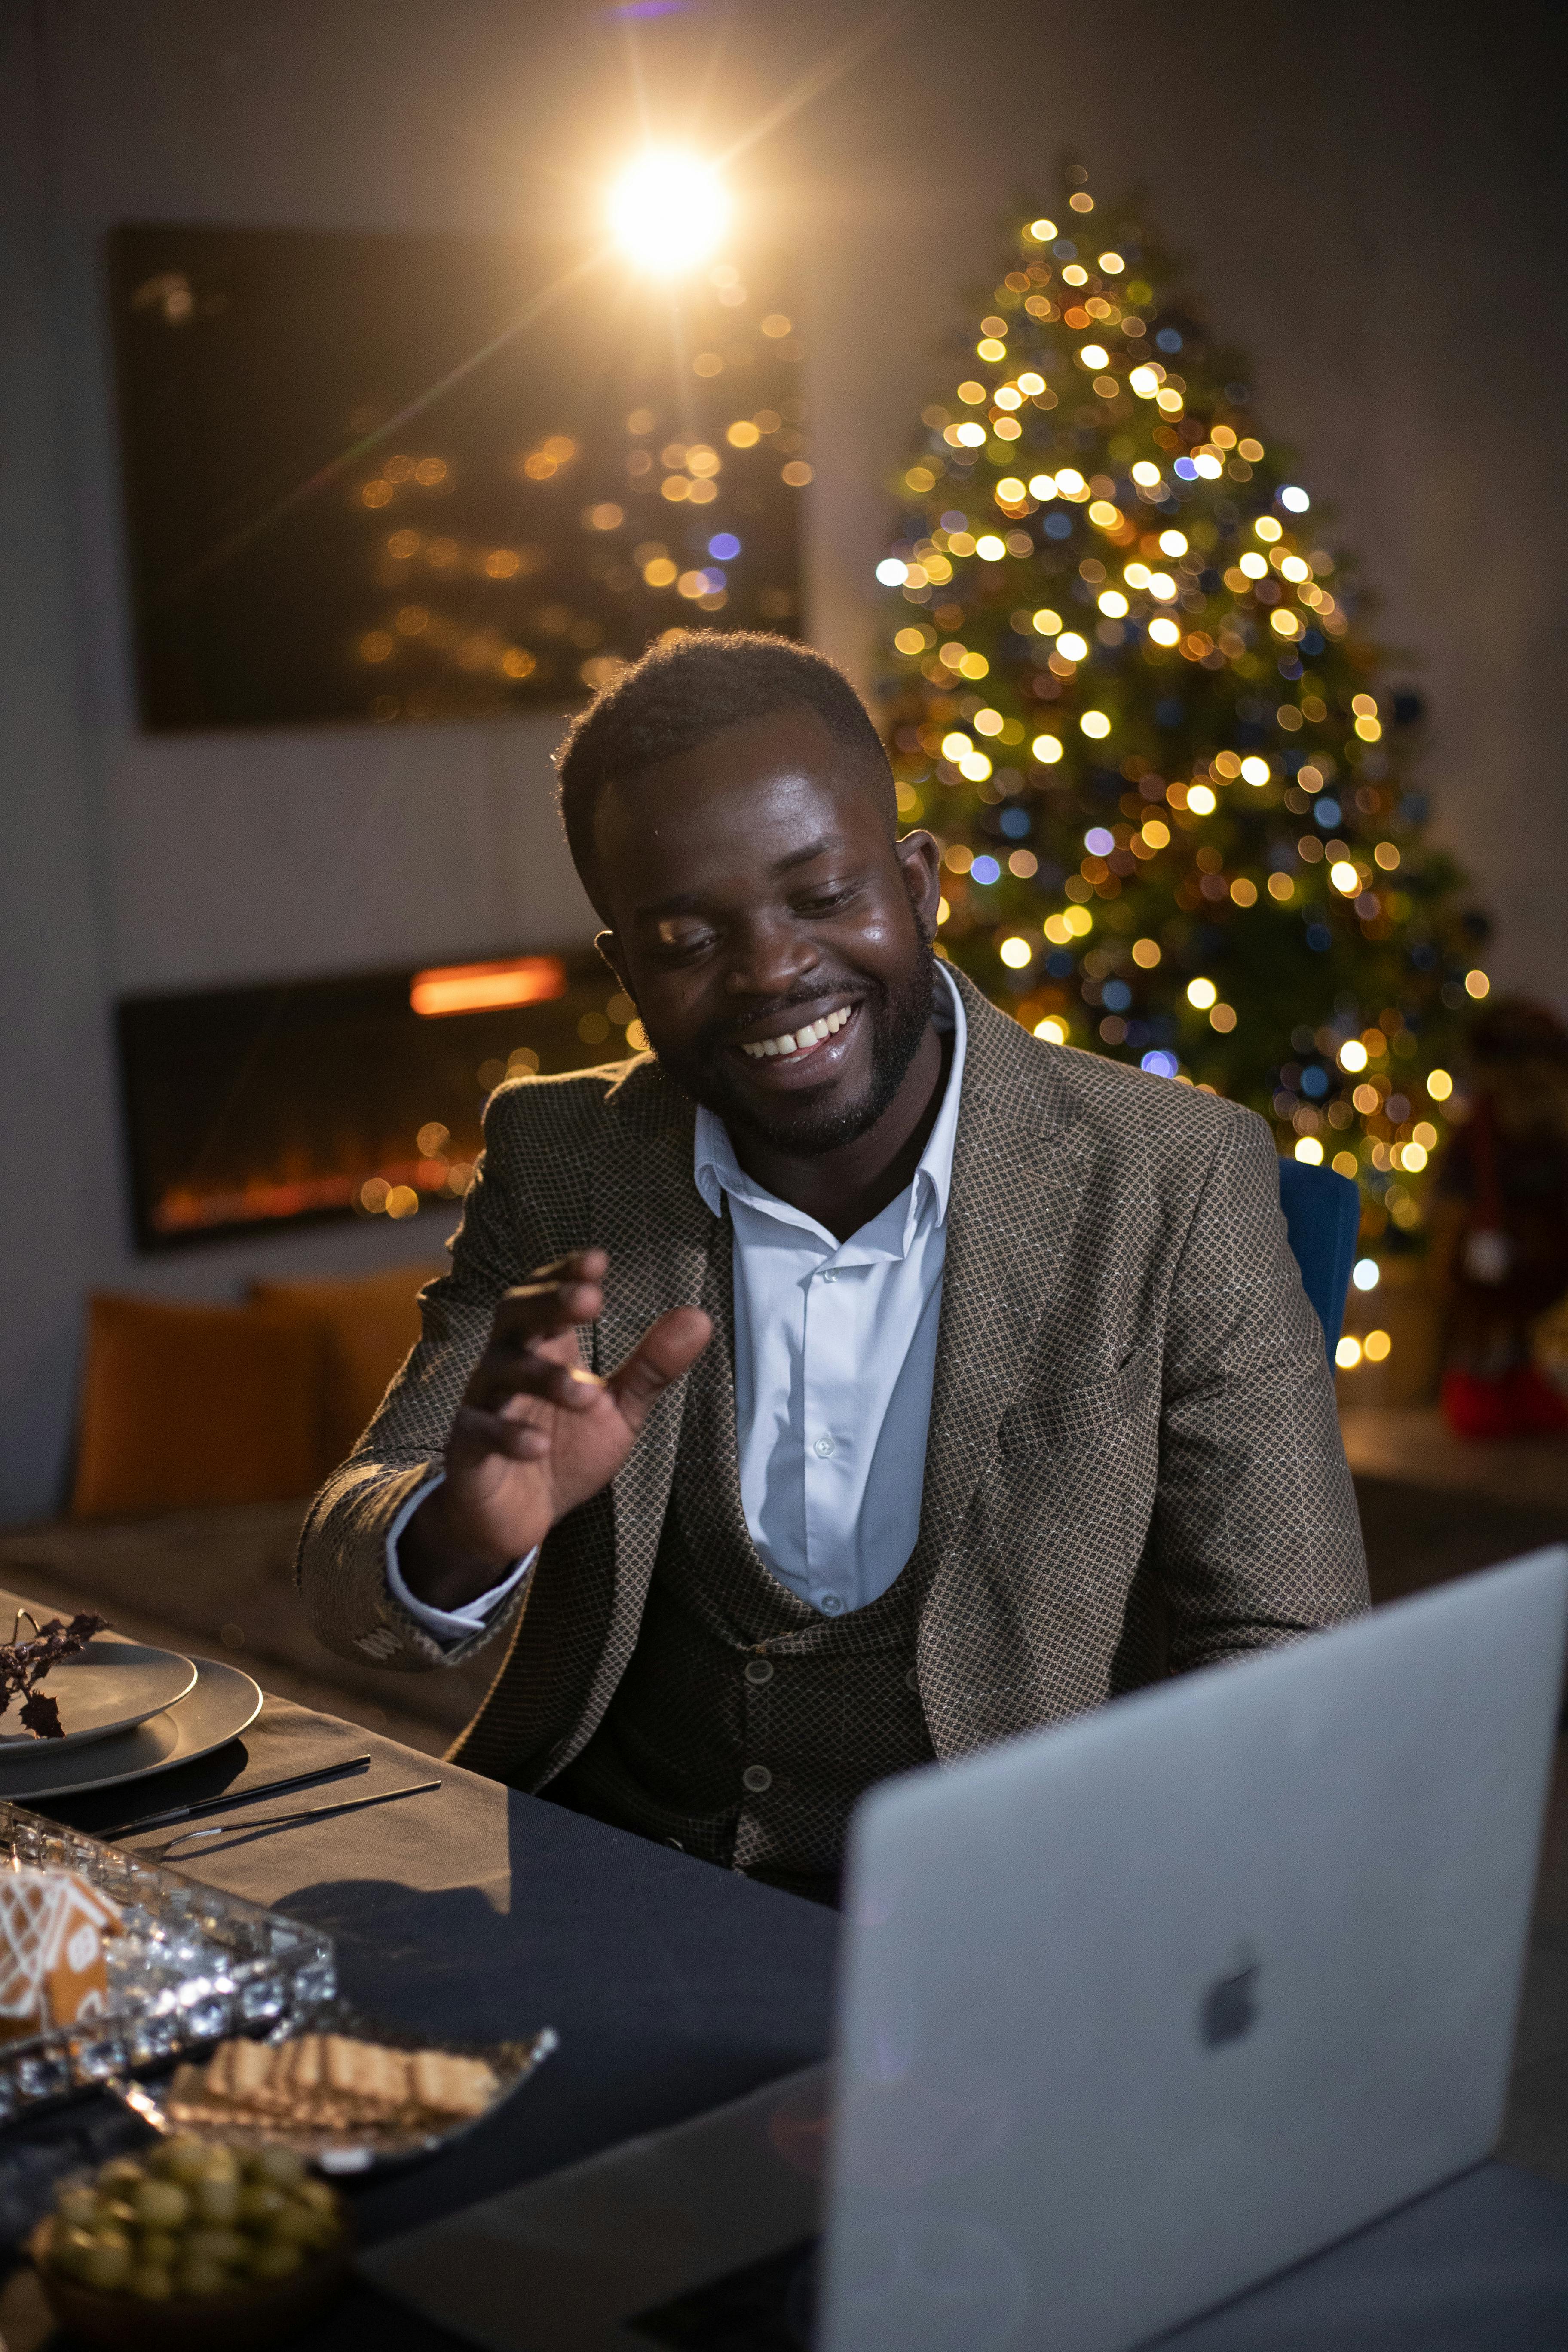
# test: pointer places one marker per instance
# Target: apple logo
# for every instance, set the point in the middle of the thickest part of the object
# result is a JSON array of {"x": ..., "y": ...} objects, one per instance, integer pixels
[{"x": 1229, "y": 2005}]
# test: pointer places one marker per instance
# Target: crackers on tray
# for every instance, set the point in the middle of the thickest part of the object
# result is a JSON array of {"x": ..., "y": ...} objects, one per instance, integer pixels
[{"x": 329, "y": 2082}]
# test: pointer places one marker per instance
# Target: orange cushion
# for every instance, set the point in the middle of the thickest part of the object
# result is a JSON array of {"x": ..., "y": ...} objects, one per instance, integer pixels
[
  {"x": 188, "y": 1405},
  {"x": 366, "y": 1328}
]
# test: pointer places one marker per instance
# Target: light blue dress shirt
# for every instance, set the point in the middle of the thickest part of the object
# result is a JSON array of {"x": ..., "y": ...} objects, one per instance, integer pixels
[{"x": 834, "y": 1355}]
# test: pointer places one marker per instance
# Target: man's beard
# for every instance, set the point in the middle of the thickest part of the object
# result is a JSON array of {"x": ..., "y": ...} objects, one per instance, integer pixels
[{"x": 899, "y": 1018}]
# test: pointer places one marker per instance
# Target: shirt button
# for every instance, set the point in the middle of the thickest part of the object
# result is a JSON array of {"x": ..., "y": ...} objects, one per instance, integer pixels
[
  {"x": 829, "y": 1274},
  {"x": 759, "y": 1670},
  {"x": 823, "y": 1447},
  {"x": 756, "y": 1778},
  {"x": 830, "y": 1604}
]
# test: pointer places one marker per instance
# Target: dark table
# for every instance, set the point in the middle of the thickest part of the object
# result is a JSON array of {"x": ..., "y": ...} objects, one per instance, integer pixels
[
  {"x": 675, "y": 1987},
  {"x": 475, "y": 1912}
]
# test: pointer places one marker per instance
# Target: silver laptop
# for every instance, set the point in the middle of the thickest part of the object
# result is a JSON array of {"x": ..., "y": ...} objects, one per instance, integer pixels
[
  {"x": 1140, "y": 2011},
  {"x": 1135, "y": 2012}
]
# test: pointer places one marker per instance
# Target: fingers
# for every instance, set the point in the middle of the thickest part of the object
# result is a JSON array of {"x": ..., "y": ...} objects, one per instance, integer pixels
[
  {"x": 587, "y": 1265},
  {"x": 666, "y": 1352},
  {"x": 532, "y": 1351},
  {"x": 531, "y": 1370},
  {"x": 554, "y": 1298},
  {"x": 531, "y": 1362},
  {"x": 475, "y": 1434}
]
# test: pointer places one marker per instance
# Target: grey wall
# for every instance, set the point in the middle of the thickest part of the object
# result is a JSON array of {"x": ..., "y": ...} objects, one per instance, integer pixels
[{"x": 1372, "y": 198}]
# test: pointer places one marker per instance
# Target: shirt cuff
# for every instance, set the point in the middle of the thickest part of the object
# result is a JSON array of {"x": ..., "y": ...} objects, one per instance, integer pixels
[{"x": 448, "y": 1626}]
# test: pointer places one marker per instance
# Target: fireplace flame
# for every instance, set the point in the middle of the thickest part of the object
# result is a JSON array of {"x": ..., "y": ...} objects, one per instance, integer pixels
[{"x": 481, "y": 987}]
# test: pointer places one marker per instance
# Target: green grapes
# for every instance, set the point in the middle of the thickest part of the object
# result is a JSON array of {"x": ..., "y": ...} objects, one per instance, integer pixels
[{"x": 194, "y": 2218}]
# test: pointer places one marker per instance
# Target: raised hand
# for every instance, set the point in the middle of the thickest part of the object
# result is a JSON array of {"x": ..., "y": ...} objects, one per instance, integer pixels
[{"x": 537, "y": 1432}]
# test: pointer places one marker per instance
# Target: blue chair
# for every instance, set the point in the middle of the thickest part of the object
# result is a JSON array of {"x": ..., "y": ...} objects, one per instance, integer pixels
[{"x": 1322, "y": 1218}]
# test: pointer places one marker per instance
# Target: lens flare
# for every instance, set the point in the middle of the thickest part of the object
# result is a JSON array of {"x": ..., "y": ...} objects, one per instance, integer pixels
[{"x": 668, "y": 211}]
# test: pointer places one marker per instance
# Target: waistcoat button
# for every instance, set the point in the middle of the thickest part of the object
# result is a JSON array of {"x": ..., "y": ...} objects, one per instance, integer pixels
[
  {"x": 756, "y": 1778},
  {"x": 759, "y": 1670},
  {"x": 911, "y": 1680}
]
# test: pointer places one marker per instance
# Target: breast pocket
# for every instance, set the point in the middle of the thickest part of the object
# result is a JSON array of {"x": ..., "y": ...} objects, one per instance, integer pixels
[
  {"x": 1057, "y": 1420},
  {"x": 1067, "y": 1494}
]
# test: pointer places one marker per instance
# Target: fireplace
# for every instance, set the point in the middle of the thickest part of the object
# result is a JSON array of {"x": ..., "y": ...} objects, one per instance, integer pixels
[{"x": 251, "y": 1109}]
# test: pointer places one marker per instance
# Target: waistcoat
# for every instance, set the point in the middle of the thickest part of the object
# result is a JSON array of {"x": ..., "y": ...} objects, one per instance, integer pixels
[{"x": 746, "y": 1724}]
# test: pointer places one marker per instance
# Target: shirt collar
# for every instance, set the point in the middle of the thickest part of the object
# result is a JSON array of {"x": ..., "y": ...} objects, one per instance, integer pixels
[{"x": 716, "y": 1170}]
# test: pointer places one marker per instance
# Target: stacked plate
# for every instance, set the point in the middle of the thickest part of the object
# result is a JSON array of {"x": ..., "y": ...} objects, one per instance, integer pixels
[{"x": 126, "y": 1710}]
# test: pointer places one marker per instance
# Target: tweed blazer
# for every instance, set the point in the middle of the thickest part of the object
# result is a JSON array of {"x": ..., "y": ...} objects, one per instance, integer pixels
[{"x": 1133, "y": 1459}]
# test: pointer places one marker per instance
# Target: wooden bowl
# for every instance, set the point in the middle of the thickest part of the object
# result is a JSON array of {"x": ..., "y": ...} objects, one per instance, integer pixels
[{"x": 240, "y": 2322}]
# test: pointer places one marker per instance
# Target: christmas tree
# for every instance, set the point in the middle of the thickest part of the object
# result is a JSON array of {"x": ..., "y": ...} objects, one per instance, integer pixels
[{"x": 1129, "y": 689}]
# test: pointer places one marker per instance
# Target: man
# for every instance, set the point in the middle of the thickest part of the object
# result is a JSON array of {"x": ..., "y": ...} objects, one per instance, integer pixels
[{"x": 852, "y": 1380}]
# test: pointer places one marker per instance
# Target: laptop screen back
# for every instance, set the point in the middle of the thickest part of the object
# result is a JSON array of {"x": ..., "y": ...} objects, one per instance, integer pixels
[{"x": 1142, "y": 2008}]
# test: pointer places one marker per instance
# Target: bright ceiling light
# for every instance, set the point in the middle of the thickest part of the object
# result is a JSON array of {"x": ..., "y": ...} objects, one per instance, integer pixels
[{"x": 668, "y": 211}]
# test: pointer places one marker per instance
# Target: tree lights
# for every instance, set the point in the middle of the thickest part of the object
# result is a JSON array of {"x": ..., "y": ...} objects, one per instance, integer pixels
[{"x": 1116, "y": 617}]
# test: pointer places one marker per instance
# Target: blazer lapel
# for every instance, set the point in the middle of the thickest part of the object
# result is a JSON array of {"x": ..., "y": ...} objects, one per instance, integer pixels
[
  {"x": 658, "y": 1231},
  {"x": 1015, "y": 1203}
]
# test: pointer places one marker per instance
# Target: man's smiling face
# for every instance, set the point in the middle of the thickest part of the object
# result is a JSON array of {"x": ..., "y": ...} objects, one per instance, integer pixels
[{"x": 776, "y": 937}]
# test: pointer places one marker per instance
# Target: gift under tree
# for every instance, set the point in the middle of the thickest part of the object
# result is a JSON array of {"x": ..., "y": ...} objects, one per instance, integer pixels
[
  {"x": 1499, "y": 1225},
  {"x": 1130, "y": 689}
]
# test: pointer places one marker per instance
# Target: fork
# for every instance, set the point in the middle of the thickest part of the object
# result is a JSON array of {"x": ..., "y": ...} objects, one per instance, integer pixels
[{"x": 240, "y": 1831}]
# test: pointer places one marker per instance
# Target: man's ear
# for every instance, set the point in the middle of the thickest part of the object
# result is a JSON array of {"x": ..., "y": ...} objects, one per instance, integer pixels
[
  {"x": 610, "y": 948},
  {"x": 921, "y": 858}
]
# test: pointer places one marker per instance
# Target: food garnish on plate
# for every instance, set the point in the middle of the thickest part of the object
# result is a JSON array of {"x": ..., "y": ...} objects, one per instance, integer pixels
[{"x": 24, "y": 1664}]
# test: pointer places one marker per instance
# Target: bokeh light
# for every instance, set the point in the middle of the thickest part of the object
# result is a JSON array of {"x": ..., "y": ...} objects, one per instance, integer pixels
[{"x": 1203, "y": 643}]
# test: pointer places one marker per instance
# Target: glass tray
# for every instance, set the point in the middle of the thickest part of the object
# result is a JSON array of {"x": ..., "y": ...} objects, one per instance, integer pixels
[
  {"x": 362, "y": 2146},
  {"x": 190, "y": 1966}
]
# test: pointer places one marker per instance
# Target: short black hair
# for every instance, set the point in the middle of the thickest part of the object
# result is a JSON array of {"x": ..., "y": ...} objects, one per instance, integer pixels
[{"x": 693, "y": 685}]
